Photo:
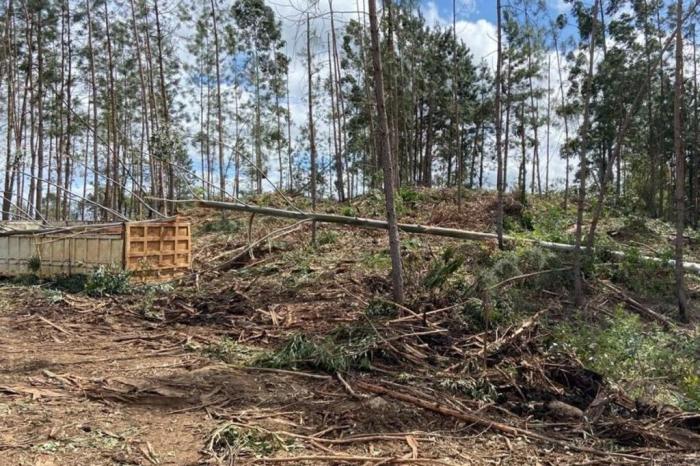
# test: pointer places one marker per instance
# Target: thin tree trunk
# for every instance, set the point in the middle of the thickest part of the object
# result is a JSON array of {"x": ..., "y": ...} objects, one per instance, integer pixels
[
  {"x": 566, "y": 122},
  {"x": 40, "y": 115},
  {"x": 68, "y": 167},
  {"x": 693, "y": 167},
  {"x": 312, "y": 135},
  {"x": 10, "y": 164},
  {"x": 289, "y": 137},
  {"x": 166, "y": 112},
  {"x": 335, "y": 132},
  {"x": 680, "y": 165},
  {"x": 523, "y": 161},
  {"x": 145, "y": 137},
  {"x": 386, "y": 157},
  {"x": 506, "y": 142},
  {"x": 112, "y": 161},
  {"x": 334, "y": 64},
  {"x": 497, "y": 111},
  {"x": 549, "y": 121},
  {"x": 583, "y": 169},
  {"x": 219, "y": 117},
  {"x": 258, "y": 127}
]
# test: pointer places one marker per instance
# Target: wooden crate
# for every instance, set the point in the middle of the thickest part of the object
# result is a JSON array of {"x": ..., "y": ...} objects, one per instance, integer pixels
[
  {"x": 158, "y": 250},
  {"x": 151, "y": 250}
]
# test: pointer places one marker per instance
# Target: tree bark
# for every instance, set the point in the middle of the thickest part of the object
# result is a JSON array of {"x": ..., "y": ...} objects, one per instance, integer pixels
[
  {"x": 219, "y": 117},
  {"x": 497, "y": 111},
  {"x": 312, "y": 135},
  {"x": 583, "y": 164},
  {"x": 680, "y": 166},
  {"x": 384, "y": 145}
]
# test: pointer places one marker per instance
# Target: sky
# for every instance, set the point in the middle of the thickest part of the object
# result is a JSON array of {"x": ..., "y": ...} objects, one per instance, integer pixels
[{"x": 476, "y": 27}]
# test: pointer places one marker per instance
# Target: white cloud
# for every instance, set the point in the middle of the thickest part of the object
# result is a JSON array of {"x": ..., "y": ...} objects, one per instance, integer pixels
[{"x": 478, "y": 35}]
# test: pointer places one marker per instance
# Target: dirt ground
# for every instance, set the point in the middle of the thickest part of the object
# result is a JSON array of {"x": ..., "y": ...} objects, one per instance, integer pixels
[
  {"x": 99, "y": 381},
  {"x": 83, "y": 386}
]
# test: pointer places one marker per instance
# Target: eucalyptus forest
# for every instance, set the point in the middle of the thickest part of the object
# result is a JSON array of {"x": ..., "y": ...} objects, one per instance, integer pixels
[{"x": 349, "y": 232}]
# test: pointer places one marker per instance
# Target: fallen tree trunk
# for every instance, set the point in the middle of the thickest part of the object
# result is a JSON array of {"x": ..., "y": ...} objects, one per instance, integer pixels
[
  {"x": 474, "y": 419},
  {"x": 415, "y": 228}
]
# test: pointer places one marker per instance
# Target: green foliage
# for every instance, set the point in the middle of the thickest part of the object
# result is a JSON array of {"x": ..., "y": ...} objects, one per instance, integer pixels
[
  {"x": 229, "y": 441},
  {"x": 70, "y": 283},
  {"x": 478, "y": 389},
  {"x": 346, "y": 348},
  {"x": 25, "y": 279},
  {"x": 651, "y": 361},
  {"x": 647, "y": 278},
  {"x": 146, "y": 307},
  {"x": 475, "y": 316},
  {"x": 301, "y": 272},
  {"x": 378, "y": 261},
  {"x": 231, "y": 352},
  {"x": 34, "y": 264},
  {"x": 408, "y": 196},
  {"x": 379, "y": 308},
  {"x": 327, "y": 237},
  {"x": 221, "y": 225},
  {"x": 106, "y": 281},
  {"x": 489, "y": 302},
  {"x": 348, "y": 211},
  {"x": 546, "y": 220},
  {"x": 442, "y": 270}
]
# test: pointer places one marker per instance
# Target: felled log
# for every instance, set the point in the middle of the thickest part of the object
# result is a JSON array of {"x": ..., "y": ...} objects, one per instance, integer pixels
[{"x": 415, "y": 228}]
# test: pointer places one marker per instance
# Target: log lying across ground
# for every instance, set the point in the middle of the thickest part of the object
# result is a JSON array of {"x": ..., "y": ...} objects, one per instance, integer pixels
[{"x": 414, "y": 228}]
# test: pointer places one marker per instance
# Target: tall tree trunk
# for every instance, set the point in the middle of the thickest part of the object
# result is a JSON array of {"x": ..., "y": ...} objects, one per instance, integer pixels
[
  {"x": 566, "y": 122},
  {"x": 289, "y": 137},
  {"x": 506, "y": 142},
  {"x": 146, "y": 136},
  {"x": 40, "y": 116},
  {"x": 335, "y": 132},
  {"x": 522, "y": 179},
  {"x": 549, "y": 121},
  {"x": 680, "y": 165},
  {"x": 257, "y": 133},
  {"x": 454, "y": 125},
  {"x": 10, "y": 163},
  {"x": 93, "y": 89},
  {"x": 497, "y": 111},
  {"x": 334, "y": 64},
  {"x": 219, "y": 108},
  {"x": 166, "y": 112},
  {"x": 694, "y": 168},
  {"x": 68, "y": 166},
  {"x": 112, "y": 170},
  {"x": 384, "y": 146},
  {"x": 312, "y": 135},
  {"x": 583, "y": 168}
]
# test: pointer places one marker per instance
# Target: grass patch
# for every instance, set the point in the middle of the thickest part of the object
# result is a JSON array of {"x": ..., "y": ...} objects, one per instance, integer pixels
[
  {"x": 646, "y": 360},
  {"x": 378, "y": 261},
  {"x": 327, "y": 237}
]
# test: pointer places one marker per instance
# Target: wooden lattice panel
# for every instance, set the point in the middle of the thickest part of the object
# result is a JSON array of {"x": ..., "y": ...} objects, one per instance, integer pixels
[{"x": 156, "y": 250}]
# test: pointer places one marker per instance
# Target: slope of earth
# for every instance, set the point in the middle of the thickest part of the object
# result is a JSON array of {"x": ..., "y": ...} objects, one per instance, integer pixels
[{"x": 289, "y": 354}]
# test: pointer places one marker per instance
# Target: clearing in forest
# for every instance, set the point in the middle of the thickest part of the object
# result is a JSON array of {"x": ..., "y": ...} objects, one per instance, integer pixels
[{"x": 292, "y": 354}]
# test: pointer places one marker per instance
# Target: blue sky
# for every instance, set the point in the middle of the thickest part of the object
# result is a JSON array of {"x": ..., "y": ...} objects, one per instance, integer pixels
[{"x": 486, "y": 9}]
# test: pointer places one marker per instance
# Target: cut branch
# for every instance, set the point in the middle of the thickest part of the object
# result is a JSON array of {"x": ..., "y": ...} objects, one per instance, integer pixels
[{"x": 693, "y": 267}]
